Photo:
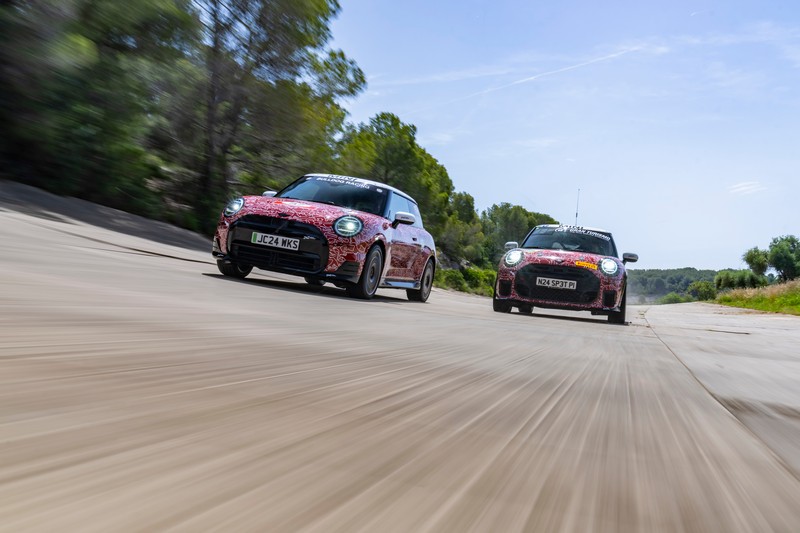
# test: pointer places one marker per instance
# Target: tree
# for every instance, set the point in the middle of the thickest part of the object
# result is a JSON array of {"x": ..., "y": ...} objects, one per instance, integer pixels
[
  {"x": 76, "y": 103},
  {"x": 757, "y": 260},
  {"x": 702, "y": 290},
  {"x": 784, "y": 257},
  {"x": 252, "y": 46},
  {"x": 506, "y": 222}
]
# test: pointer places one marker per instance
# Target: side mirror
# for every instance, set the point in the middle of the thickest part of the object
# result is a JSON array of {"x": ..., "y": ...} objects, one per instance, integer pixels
[
  {"x": 629, "y": 258},
  {"x": 510, "y": 245},
  {"x": 401, "y": 217},
  {"x": 269, "y": 193}
]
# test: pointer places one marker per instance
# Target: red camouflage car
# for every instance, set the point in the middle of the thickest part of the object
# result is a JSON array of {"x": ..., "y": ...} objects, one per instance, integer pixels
[
  {"x": 564, "y": 267},
  {"x": 357, "y": 234}
]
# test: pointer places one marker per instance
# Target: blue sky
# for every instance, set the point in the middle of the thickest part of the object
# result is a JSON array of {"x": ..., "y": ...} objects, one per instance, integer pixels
[{"x": 678, "y": 121}]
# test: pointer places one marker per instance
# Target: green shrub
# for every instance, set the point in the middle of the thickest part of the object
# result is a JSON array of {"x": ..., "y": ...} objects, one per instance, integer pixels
[
  {"x": 450, "y": 279},
  {"x": 702, "y": 290},
  {"x": 471, "y": 279},
  {"x": 673, "y": 298}
]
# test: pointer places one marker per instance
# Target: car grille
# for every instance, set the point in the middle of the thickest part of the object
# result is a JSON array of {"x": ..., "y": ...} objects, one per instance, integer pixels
[
  {"x": 312, "y": 257},
  {"x": 586, "y": 291}
]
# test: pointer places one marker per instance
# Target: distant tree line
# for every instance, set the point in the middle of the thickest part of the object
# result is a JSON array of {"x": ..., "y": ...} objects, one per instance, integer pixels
[
  {"x": 649, "y": 285},
  {"x": 167, "y": 108}
]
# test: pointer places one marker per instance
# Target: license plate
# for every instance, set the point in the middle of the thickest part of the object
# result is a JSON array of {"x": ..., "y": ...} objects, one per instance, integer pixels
[
  {"x": 557, "y": 283},
  {"x": 276, "y": 241}
]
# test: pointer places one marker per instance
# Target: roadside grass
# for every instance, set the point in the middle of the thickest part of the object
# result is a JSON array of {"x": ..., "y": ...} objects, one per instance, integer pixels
[
  {"x": 779, "y": 298},
  {"x": 471, "y": 280}
]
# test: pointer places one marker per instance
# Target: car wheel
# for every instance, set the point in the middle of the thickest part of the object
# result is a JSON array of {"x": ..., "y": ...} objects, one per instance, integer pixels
[
  {"x": 618, "y": 317},
  {"x": 316, "y": 282},
  {"x": 367, "y": 285},
  {"x": 526, "y": 309},
  {"x": 499, "y": 306},
  {"x": 233, "y": 270},
  {"x": 425, "y": 285}
]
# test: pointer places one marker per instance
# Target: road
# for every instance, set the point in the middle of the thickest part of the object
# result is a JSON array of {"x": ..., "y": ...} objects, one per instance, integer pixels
[{"x": 142, "y": 391}]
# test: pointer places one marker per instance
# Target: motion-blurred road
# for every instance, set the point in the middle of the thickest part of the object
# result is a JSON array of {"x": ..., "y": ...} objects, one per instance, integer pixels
[{"x": 142, "y": 391}]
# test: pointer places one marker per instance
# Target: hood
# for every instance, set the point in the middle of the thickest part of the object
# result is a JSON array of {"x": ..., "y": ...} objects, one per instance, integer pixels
[
  {"x": 294, "y": 209},
  {"x": 562, "y": 257}
]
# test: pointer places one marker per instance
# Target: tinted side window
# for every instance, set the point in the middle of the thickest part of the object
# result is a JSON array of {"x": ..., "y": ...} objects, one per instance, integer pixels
[
  {"x": 414, "y": 210},
  {"x": 397, "y": 203}
]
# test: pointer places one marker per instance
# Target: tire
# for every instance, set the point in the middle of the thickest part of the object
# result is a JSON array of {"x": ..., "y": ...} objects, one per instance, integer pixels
[
  {"x": 526, "y": 309},
  {"x": 618, "y": 317},
  {"x": 234, "y": 270},
  {"x": 316, "y": 282},
  {"x": 425, "y": 285},
  {"x": 499, "y": 306},
  {"x": 367, "y": 285}
]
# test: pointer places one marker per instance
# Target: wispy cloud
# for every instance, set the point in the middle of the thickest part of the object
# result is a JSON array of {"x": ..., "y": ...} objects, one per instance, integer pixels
[
  {"x": 746, "y": 187},
  {"x": 488, "y": 71},
  {"x": 535, "y": 77},
  {"x": 783, "y": 38}
]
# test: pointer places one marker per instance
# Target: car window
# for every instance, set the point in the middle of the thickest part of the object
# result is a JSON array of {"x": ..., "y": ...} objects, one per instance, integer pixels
[
  {"x": 414, "y": 210},
  {"x": 340, "y": 191},
  {"x": 571, "y": 240},
  {"x": 397, "y": 203}
]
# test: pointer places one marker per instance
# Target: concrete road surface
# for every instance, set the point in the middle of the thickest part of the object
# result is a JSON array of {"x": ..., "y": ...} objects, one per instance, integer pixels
[{"x": 142, "y": 391}]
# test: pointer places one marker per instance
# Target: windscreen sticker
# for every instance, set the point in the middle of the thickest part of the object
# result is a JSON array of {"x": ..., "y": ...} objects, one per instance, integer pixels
[
  {"x": 342, "y": 180},
  {"x": 581, "y": 231}
]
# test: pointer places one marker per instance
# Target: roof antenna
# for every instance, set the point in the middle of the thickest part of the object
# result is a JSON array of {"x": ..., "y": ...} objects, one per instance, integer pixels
[{"x": 577, "y": 203}]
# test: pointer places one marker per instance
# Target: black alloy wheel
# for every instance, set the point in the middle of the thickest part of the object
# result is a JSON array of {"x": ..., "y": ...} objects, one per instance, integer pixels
[
  {"x": 425, "y": 285},
  {"x": 367, "y": 285}
]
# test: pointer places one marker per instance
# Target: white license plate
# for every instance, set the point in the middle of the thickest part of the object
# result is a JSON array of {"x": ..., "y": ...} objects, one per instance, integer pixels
[
  {"x": 557, "y": 283},
  {"x": 276, "y": 241}
]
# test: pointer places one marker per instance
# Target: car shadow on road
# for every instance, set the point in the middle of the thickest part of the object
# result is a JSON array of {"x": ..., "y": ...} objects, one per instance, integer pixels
[
  {"x": 593, "y": 319},
  {"x": 327, "y": 290}
]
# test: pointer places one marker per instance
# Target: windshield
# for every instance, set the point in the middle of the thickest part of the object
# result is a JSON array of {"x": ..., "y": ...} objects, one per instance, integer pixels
[
  {"x": 342, "y": 191},
  {"x": 571, "y": 239}
]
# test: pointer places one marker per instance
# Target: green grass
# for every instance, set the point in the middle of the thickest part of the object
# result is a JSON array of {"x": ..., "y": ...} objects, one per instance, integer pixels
[
  {"x": 779, "y": 298},
  {"x": 472, "y": 280}
]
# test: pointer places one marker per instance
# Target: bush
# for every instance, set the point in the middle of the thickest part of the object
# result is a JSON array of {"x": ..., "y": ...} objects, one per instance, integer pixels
[
  {"x": 673, "y": 298},
  {"x": 450, "y": 279},
  {"x": 702, "y": 290},
  {"x": 470, "y": 279}
]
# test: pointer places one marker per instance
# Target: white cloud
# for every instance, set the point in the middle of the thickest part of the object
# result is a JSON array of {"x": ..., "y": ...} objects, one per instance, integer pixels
[{"x": 746, "y": 187}]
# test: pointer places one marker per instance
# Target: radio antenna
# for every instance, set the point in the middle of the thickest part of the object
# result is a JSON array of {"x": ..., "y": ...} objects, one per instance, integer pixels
[{"x": 577, "y": 203}]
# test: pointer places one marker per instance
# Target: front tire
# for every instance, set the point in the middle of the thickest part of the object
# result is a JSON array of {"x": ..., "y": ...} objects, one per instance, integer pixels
[
  {"x": 618, "y": 317},
  {"x": 367, "y": 285},
  {"x": 234, "y": 270},
  {"x": 425, "y": 285},
  {"x": 499, "y": 306}
]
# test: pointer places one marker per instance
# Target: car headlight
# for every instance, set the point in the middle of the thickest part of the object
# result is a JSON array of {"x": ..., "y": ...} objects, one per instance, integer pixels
[
  {"x": 609, "y": 266},
  {"x": 348, "y": 226},
  {"x": 233, "y": 207},
  {"x": 513, "y": 257}
]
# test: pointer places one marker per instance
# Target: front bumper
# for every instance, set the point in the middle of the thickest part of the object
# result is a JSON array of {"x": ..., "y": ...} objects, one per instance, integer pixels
[
  {"x": 314, "y": 257},
  {"x": 593, "y": 291}
]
